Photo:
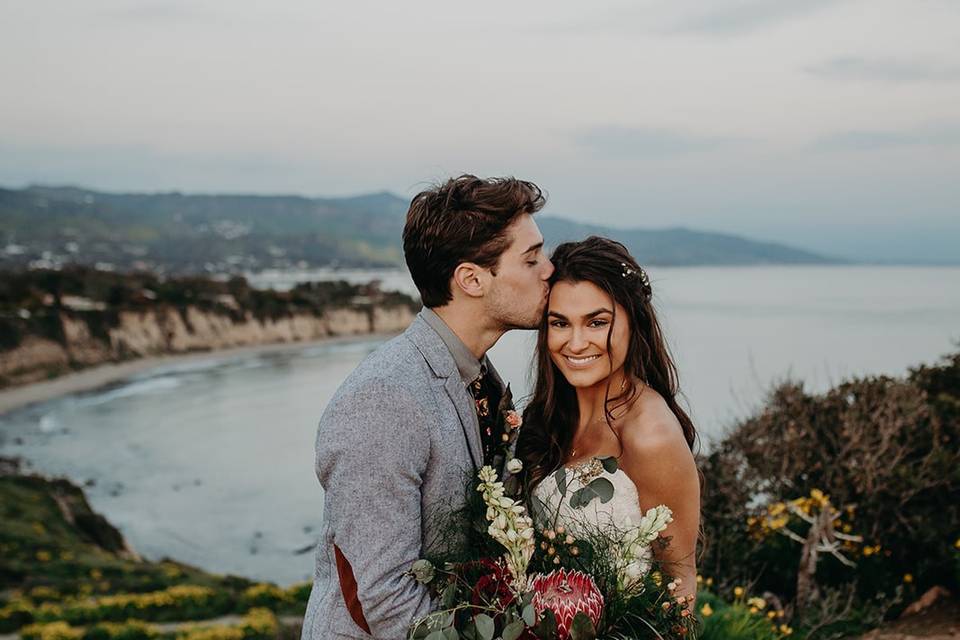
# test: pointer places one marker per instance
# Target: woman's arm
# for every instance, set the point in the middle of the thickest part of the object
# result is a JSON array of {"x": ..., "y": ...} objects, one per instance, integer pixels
[{"x": 659, "y": 461}]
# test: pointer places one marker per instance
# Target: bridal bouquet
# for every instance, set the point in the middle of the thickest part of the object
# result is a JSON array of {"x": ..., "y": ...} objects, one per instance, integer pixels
[{"x": 527, "y": 582}]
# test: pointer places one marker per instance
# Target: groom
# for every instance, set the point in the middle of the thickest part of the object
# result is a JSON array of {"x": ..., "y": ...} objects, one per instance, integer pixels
[{"x": 419, "y": 415}]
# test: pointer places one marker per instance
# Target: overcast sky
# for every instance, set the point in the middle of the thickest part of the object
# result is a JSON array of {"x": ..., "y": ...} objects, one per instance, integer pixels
[{"x": 829, "y": 124}]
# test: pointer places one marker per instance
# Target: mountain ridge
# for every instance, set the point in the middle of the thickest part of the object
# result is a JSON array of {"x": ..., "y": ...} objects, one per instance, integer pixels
[{"x": 171, "y": 231}]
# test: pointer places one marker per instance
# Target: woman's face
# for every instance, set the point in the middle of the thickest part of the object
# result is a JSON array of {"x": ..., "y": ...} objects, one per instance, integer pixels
[{"x": 579, "y": 317}]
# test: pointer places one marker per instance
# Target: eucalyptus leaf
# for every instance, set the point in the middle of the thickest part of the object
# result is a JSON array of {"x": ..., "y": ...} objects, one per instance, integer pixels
[
  {"x": 610, "y": 464},
  {"x": 485, "y": 626},
  {"x": 436, "y": 635},
  {"x": 560, "y": 475},
  {"x": 450, "y": 634},
  {"x": 469, "y": 631},
  {"x": 513, "y": 630},
  {"x": 448, "y": 597},
  {"x": 529, "y": 615},
  {"x": 582, "y": 627},
  {"x": 603, "y": 488},
  {"x": 527, "y": 599},
  {"x": 546, "y": 629},
  {"x": 582, "y": 497}
]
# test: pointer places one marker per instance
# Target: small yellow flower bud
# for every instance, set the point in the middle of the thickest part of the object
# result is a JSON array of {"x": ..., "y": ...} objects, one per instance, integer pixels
[
  {"x": 556, "y": 559},
  {"x": 551, "y": 534},
  {"x": 560, "y": 530},
  {"x": 569, "y": 539},
  {"x": 908, "y": 578},
  {"x": 575, "y": 551},
  {"x": 706, "y": 610},
  {"x": 738, "y": 592}
]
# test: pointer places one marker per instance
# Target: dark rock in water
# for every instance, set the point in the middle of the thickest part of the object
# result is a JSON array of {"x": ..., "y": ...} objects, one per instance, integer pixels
[
  {"x": 307, "y": 529},
  {"x": 91, "y": 482}
]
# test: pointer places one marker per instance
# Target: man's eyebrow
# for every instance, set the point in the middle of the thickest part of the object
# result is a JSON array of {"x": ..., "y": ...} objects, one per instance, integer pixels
[{"x": 533, "y": 247}]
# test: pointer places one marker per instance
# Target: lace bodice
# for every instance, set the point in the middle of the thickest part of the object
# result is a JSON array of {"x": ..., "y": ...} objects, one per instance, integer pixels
[{"x": 588, "y": 497}]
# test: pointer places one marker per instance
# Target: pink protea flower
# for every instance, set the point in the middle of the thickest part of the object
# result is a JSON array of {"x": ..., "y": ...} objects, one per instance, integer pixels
[{"x": 567, "y": 593}]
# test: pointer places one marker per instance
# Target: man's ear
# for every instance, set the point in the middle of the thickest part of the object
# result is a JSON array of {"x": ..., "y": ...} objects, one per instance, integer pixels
[{"x": 469, "y": 278}]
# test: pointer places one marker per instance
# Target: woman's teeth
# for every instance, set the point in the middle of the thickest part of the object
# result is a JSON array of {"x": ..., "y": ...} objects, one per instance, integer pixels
[{"x": 583, "y": 360}]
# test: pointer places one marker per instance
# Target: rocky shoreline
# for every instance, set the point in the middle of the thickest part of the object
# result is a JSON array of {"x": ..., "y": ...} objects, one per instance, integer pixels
[{"x": 58, "y": 323}]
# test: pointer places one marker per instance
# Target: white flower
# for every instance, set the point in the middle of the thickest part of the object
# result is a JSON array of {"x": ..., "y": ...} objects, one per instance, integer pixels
[
  {"x": 515, "y": 465},
  {"x": 422, "y": 571}
]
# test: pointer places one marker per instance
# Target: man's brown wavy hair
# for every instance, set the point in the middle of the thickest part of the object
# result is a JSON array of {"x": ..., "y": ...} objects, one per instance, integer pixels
[{"x": 462, "y": 220}]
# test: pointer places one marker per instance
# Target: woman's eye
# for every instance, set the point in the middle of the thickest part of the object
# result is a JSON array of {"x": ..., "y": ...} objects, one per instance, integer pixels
[
  {"x": 559, "y": 324},
  {"x": 596, "y": 324},
  {"x": 532, "y": 263}
]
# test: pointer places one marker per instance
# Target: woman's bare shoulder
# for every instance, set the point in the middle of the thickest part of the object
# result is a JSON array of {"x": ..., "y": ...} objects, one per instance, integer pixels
[{"x": 650, "y": 428}]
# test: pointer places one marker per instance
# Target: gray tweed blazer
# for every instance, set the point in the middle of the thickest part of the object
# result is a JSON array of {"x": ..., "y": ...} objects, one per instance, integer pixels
[{"x": 396, "y": 447}]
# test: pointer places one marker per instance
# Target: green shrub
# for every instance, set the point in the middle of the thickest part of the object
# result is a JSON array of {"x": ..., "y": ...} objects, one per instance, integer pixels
[{"x": 884, "y": 453}]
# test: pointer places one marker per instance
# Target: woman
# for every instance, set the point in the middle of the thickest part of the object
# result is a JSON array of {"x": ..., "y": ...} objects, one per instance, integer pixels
[{"x": 606, "y": 387}]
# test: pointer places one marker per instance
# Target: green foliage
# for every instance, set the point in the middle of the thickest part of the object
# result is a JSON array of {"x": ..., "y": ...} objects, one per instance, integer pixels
[
  {"x": 724, "y": 621},
  {"x": 884, "y": 451}
]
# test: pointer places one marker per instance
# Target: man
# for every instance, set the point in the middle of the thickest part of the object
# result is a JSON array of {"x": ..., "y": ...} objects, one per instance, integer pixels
[{"x": 418, "y": 416}]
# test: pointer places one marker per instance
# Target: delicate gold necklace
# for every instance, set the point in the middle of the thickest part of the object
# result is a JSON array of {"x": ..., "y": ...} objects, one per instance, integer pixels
[{"x": 603, "y": 416}]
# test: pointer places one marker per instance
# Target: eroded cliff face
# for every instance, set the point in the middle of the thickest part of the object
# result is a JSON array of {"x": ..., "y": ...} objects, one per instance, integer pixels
[{"x": 167, "y": 330}]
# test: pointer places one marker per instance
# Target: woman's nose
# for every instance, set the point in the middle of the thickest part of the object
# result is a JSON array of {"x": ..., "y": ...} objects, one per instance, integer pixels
[{"x": 578, "y": 341}]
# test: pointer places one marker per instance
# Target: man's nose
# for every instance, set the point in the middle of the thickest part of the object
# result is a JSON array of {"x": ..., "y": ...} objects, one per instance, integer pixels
[{"x": 548, "y": 271}]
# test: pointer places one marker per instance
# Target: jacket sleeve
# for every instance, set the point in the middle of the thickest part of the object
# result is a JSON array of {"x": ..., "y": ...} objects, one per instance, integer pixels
[{"x": 373, "y": 445}]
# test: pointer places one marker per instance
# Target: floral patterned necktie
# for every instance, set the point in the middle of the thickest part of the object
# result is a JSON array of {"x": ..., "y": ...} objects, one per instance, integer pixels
[{"x": 486, "y": 393}]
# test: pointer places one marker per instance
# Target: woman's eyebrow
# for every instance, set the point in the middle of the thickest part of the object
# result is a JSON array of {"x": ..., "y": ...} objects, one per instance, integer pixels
[{"x": 592, "y": 314}]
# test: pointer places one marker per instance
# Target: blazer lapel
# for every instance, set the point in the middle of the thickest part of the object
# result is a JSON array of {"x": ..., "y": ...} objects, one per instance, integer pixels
[
  {"x": 438, "y": 357},
  {"x": 463, "y": 401}
]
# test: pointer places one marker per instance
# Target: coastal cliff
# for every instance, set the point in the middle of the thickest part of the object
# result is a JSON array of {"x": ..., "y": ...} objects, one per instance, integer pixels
[{"x": 50, "y": 329}]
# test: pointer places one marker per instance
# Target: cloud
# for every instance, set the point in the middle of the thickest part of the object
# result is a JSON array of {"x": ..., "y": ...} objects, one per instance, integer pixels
[
  {"x": 748, "y": 15},
  {"x": 885, "y": 70},
  {"x": 160, "y": 12},
  {"x": 930, "y": 135},
  {"x": 613, "y": 140}
]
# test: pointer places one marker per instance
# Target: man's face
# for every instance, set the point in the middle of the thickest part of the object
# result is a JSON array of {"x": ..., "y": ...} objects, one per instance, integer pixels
[{"x": 518, "y": 293}]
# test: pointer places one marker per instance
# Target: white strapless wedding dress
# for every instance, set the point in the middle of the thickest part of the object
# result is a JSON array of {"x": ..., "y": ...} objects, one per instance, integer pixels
[{"x": 588, "y": 498}]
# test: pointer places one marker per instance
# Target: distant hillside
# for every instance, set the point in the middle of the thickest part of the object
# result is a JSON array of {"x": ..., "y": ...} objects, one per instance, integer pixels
[
  {"x": 49, "y": 227},
  {"x": 683, "y": 247}
]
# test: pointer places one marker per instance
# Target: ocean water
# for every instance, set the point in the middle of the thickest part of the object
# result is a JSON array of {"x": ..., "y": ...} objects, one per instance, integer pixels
[{"x": 211, "y": 462}]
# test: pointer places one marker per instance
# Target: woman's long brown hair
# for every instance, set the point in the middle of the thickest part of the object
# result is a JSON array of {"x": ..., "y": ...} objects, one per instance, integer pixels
[{"x": 551, "y": 417}]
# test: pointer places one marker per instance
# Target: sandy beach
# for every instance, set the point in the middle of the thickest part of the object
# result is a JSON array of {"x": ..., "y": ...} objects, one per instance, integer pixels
[{"x": 102, "y": 375}]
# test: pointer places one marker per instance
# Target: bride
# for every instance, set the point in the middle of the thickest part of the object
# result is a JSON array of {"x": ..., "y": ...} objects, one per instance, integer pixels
[{"x": 605, "y": 388}]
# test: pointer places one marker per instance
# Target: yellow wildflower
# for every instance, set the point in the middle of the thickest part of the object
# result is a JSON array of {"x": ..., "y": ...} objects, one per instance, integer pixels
[
  {"x": 908, "y": 578},
  {"x": 759, "y": 603},
  {"x": 706, "y": 610},
  {"x": 43, "y": 556},
  {"x": 738, "y": 591}
]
